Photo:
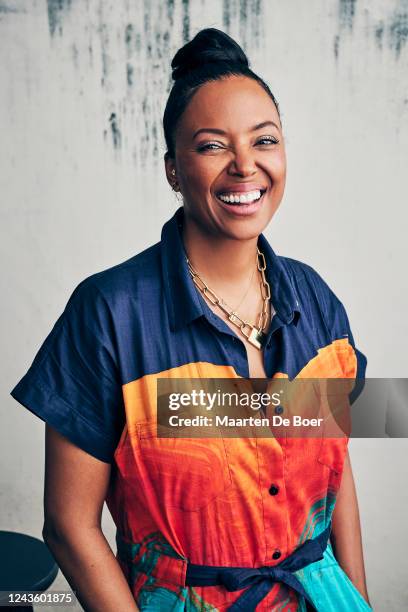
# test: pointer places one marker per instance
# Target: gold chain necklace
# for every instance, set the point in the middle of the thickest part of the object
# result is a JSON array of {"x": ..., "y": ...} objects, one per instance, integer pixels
[{"x": 253, "y": 333}]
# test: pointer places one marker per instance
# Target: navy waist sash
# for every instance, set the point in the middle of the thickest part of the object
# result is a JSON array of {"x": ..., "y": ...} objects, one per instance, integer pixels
[{"x": 260, "y": 580}]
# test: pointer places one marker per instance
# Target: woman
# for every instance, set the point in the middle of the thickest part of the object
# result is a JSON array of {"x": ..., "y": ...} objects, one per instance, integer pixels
[{"x": 183, "y": 507}]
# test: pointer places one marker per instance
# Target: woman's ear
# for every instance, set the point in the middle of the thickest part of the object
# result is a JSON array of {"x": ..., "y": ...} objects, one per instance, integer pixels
[{"x": 171, "y": 172}]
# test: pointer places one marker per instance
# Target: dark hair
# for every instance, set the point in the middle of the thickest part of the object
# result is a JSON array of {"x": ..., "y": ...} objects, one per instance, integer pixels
[{"x": 209, "y": 56}]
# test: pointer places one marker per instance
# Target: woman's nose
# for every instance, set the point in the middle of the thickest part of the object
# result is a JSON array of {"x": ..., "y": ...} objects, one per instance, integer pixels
[{"x": 243, "y": 163}]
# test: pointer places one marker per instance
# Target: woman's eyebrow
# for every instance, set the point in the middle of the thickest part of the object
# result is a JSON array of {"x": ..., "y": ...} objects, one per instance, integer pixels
[{"x": 223, "y": 133}]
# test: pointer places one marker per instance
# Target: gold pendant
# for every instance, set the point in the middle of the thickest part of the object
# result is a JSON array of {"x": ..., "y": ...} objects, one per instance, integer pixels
[{"x": 256, "y": 338}]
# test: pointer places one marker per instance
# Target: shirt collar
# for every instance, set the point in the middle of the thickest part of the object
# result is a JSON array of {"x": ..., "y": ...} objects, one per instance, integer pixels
[{"x": 181, "y": 294}]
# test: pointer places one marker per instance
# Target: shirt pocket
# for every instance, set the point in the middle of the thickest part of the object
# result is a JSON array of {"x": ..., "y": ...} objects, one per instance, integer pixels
[
  {"x": 332, "y": 453},
  {"x": 187, "y": 474},
  {"x": 335, "y": 411}
]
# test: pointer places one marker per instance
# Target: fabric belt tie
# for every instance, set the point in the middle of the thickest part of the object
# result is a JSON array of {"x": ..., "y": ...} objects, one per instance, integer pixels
[{"x": 260, "y": 580}]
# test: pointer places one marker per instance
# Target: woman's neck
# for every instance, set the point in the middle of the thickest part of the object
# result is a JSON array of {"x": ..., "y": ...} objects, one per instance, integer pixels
[{"x": 226, "y": 265}]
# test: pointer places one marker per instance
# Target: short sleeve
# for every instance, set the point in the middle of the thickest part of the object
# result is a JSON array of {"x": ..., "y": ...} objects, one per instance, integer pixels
[
  {"x": 342, "y": 326},
  {"x": 338, "y": 327},
  {"x": 341, "y": 329},
  {"x": 74, "y": 381}
]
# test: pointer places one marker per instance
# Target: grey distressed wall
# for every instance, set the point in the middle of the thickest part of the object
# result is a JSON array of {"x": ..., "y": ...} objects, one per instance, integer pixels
[{"x": 82, "y": 90}]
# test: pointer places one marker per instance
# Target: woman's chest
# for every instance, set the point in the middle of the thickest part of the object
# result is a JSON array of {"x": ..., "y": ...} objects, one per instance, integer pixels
[{"x": 256, "y": 365}]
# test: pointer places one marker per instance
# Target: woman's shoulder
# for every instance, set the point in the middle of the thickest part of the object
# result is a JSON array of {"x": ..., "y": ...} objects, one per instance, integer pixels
[
  {"x": 122, "y": 281},
  {"x": 315, "y": 294},
  {"x": 304, "y": 276},
  {"x": 319, "y": 302}
]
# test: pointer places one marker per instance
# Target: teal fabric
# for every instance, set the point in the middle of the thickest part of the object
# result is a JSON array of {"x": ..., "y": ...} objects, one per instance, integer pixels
[{"x": 329, "y": 586}]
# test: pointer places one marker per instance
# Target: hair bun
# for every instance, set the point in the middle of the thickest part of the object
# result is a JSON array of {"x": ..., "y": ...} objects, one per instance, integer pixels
[{"x": 208, "y": 46}]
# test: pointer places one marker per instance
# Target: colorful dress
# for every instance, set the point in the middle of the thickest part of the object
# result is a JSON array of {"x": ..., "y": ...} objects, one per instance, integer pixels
[{"x": 242, "y": 502}]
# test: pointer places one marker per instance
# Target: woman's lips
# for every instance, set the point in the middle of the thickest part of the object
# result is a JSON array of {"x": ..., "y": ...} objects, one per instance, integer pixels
[{"x": 242, "y": 209}]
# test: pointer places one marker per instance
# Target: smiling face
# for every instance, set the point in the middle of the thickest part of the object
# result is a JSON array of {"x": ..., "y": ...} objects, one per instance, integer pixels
[{"x": 230, "y": 158}]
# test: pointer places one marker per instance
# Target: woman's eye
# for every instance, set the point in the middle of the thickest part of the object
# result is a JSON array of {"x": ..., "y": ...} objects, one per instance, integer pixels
[
  {"x": 267, "y": 140},
  {"x": 210, "y": 146}
]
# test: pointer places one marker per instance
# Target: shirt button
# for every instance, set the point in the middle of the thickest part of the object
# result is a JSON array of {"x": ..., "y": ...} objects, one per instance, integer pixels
[
  {"x": 273, "y": 489},
  {"x": 276, "y": 554},
  {"x": 278, "y": 409}
]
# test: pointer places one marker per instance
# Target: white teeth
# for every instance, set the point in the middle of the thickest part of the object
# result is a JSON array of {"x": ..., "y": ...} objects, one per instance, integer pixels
[{"x": 245, "y": 198}]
